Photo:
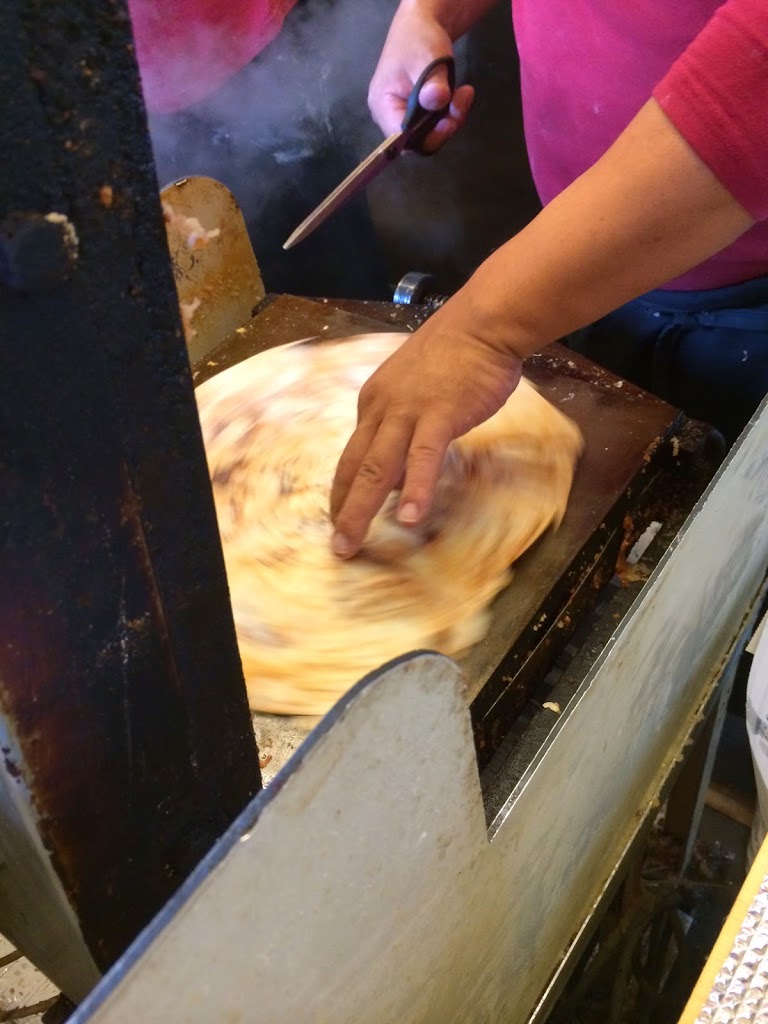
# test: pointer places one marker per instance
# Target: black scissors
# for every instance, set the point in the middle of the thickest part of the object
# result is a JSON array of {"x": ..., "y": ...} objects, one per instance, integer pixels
[{"x": 417, "y": 124}]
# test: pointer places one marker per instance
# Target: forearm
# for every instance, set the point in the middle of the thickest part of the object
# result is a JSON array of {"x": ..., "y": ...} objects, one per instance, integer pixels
[
  {"x": 646, "y": 212},
  {"x": 454, "y": 16}
]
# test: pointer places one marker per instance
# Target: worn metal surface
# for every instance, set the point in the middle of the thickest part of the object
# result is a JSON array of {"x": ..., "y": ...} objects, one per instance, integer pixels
[
  {"x": 120, "y": 682},
  {"x": 377, "y": 864},
  {"x": 363, "y": 886},
  {"x": 556, "y": 582},
  {"x": 281, "y": 319},
  {"x": 669, "y": 500},
  {"x": 217, "y": 278}
]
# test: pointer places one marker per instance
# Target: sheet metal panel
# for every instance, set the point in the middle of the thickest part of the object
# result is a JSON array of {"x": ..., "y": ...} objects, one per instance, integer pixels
[{"x": 363, "y": 885}]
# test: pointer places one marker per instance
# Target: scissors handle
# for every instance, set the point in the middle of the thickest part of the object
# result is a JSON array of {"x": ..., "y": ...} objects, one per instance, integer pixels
[{"x": 417, "y": 119}]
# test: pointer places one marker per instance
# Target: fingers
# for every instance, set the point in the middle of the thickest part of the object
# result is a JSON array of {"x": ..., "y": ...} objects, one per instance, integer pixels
[
  {"x": 447, "y": 126},
  {"x": 423, "y": 465},
  {"x": 367, "y": 472},
  {"x": 393, "y": 81},
  {"x": 388, "y": 107},
  {"x": 435, "y": 93},
  {"x": 462, "y": 103},
  {"x": 349, "y": 463}
]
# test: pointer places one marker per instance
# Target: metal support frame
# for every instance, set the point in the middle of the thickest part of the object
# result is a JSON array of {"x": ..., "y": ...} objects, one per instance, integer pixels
[
  {"x": 127, "y": 746},
  {"x": 685, "y": 805},
  {"x": 683, "y": 790}
]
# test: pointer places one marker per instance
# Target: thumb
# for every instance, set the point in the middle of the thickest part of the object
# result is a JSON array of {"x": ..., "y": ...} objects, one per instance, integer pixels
[{"x": 436, "y": 92}]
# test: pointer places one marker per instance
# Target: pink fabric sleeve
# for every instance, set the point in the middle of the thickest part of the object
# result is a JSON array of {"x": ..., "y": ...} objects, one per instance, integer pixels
[
  {"x": 716, "y": 95},
  {"x": 188, "y": 48}
]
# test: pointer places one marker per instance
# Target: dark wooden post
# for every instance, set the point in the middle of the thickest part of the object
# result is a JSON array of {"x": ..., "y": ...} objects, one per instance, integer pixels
[{"x": 119, "y": 670}]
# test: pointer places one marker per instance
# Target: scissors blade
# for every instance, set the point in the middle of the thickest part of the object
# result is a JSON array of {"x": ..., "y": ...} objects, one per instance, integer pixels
[{"x": 362, "y": 175}]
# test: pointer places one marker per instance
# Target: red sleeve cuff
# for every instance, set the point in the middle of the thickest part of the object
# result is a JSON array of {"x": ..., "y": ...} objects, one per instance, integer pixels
[{"x": 716, "y": 95}]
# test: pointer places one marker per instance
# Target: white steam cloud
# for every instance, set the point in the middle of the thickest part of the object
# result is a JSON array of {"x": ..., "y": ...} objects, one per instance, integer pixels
[{"x": 302, "y": 98}]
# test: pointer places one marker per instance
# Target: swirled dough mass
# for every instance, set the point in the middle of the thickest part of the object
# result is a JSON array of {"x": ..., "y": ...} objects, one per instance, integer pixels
[{"x": 309, "y": 625}]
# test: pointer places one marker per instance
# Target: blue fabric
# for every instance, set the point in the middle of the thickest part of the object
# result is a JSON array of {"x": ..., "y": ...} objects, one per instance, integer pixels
[{"x": 704, "y": 351}]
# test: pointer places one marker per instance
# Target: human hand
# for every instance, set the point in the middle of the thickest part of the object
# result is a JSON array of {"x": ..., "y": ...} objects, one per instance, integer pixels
[
  {"x": 440, "y": 383},
  {"x": 414, "y": 41}
]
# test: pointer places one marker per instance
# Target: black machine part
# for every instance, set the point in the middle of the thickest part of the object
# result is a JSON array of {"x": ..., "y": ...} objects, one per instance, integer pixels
[{"x": 119, "y": 670}]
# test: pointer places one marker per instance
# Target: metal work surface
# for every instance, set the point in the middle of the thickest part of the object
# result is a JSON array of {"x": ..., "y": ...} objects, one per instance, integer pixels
[
  {"x": 556, "y": 581},
  {"x": 363, "y": 885},
  {"x": 622, "y": 428},
  {"x": 667, "y": 502},
  {"x": 281, "y": 319},
  {"x": 121, "y": 763}
]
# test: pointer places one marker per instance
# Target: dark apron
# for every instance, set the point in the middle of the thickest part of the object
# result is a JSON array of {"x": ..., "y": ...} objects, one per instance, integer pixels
[{"x": 704, "y": 351}]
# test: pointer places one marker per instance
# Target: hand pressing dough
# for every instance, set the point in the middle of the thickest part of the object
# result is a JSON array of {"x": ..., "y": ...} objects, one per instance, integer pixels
[{"x": 309, "y": 625}]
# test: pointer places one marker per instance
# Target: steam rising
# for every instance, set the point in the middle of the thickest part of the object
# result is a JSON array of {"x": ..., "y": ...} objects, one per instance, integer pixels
[{"x": 301, "y": 102}]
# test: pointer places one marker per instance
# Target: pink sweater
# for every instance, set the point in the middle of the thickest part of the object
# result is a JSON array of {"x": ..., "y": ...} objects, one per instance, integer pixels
[
  {"x": 188, "y": 48},
  {"x": 589, "y": 65}
]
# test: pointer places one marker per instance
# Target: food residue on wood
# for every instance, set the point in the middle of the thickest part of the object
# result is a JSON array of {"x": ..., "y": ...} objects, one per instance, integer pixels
[
  {"x": 188, "y": 310},
  {"x": 195, "y": 235}
]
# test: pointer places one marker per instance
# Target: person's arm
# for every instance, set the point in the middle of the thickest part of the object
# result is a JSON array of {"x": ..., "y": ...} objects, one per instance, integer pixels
[
  {"x": 421, "y": 31},
  {"x": 647, "y": 211}
]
